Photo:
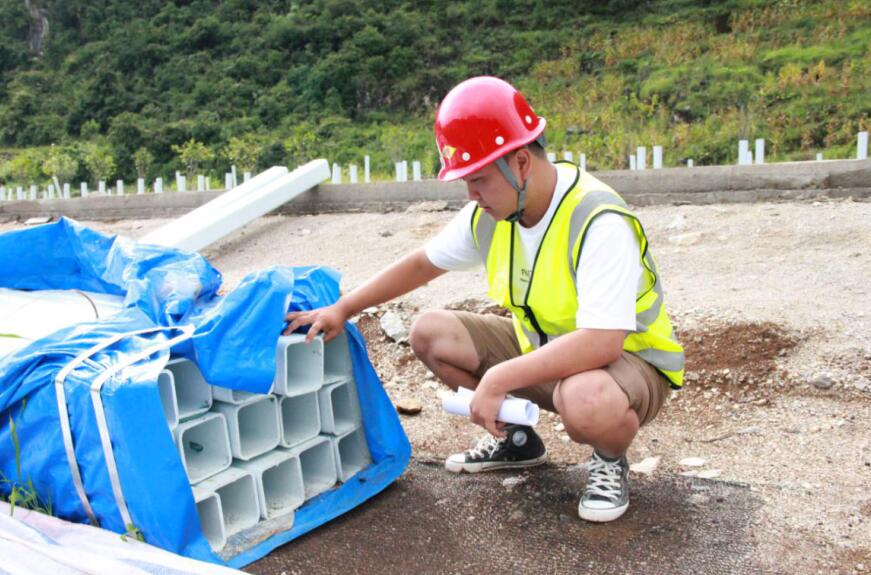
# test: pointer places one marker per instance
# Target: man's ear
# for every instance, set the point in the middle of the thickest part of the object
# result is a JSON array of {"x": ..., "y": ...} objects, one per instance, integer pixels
[{"x": 524, "y": 162}]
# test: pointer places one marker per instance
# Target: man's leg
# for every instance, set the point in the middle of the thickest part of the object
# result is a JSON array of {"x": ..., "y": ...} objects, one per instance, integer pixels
[
  {"x": 459, "y": 347},
  {"x": 604, "y": 408},
  {"x": 596, "y": 411},
  {"x": 439, "y": 339}
]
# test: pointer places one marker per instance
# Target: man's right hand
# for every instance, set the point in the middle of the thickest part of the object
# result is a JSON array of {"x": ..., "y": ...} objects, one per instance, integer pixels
[{"x": 330, "y": 320}]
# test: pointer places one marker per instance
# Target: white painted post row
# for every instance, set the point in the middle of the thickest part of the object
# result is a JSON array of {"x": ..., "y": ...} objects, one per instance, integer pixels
[{"x": 862, "y": 146}]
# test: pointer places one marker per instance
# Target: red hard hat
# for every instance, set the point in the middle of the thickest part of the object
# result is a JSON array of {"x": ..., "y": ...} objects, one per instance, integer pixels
[{"x": 479, "y": 121}]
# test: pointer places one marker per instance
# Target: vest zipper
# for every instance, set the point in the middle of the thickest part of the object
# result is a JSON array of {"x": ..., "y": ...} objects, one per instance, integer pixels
[{"x": 542, "y": 337}]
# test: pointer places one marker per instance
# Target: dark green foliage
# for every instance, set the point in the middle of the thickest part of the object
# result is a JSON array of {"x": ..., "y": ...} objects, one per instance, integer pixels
[{"x": 334, "y": 77}]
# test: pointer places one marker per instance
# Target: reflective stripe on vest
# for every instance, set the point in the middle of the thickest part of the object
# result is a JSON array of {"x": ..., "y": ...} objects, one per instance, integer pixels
[{"x": 549, "y": 307}]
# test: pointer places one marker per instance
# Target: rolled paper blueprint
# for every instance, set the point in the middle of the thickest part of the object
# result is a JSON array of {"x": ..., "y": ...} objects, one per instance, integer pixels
[{"x": 513, "y": 409}]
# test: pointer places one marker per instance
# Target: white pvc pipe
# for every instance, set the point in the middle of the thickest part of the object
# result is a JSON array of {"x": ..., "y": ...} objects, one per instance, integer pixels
[
  {"x": 318, "y": 464},
  {"x": 253, "y": 426},
  {"x": 352, "y": 453},
  {"x": 237, "y": 491},
  {"x": 280, "y": 487},
  {"x": 26, "y": 316},
  {"x": 337, "y": 360},
  {"x": 229, "y": 197},
  {"x": 197, "y": 232},
  {"x": 204, "y": 446},
  {"x": 233, "y": 396},
  {"x": 211, "y": 517},
  {"x": 339, "y": 407},
  {"x": 168, "y": 397},
  {"x": 299, "y": 366},
  {"x": 193, "y": 393},
  {"x": 300, "y": 418}
]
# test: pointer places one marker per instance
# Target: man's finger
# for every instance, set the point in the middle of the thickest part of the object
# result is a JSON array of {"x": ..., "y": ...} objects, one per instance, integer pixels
[{"x": 313, "y": 331}]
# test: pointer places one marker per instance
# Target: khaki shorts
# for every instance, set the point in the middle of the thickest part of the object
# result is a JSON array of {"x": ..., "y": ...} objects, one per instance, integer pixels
[{"x": 496, "y": 342}]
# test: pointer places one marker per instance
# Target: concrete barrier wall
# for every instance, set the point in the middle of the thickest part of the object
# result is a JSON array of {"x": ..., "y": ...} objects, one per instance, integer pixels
[{"x": 699, "y": 185}]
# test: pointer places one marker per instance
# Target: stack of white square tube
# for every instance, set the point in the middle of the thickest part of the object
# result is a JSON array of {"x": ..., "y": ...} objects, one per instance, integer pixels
[{"x": 254, "y": 457}]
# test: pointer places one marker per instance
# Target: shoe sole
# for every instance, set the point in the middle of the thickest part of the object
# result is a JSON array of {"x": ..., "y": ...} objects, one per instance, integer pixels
[
  {"x": 601, "y": 515},
  {"x": 456, "y": 467}
]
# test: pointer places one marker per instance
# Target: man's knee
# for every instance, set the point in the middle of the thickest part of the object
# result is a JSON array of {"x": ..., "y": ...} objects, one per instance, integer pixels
[
  {"x": 584, "y": 398},
  {"x": 426, "y": 331}
]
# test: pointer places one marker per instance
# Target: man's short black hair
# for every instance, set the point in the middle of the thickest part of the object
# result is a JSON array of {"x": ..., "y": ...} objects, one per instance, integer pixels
[{"x": 537, "y": 149}]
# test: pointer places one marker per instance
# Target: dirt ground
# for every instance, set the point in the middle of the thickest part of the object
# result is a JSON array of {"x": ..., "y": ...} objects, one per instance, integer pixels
[{"x": 772, "y": 303}]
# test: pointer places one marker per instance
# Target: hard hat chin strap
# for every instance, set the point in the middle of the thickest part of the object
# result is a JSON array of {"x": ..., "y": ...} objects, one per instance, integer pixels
[{"x": 521, "y": 190}]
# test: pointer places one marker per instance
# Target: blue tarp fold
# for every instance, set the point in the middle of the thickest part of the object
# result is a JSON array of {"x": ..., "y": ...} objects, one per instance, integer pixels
[{"x": 233, "y": 341}]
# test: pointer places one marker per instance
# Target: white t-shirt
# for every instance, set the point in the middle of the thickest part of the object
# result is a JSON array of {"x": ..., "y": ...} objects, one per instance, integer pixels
[{"x": 608, "y": 272}]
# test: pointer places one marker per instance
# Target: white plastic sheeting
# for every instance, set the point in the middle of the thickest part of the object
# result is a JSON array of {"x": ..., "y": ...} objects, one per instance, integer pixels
[
  {"x": 32, "y": 543},
  {"x": 26, "y": 316}
]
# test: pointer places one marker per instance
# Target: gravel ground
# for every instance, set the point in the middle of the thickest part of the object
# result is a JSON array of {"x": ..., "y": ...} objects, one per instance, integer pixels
[{"x": 772, "y": 302}]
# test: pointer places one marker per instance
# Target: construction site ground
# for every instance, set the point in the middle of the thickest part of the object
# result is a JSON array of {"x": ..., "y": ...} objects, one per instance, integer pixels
[{"x": 773, "y": 304}]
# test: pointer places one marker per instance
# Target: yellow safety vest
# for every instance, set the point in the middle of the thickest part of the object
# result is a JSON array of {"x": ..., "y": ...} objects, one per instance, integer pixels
[{"x": 549, "y": 306}]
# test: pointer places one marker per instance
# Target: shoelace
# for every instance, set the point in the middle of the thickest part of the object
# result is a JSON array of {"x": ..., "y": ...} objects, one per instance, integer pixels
[
  {"x": 605, "y": 478},
  {"x": 486, "y": 447}
]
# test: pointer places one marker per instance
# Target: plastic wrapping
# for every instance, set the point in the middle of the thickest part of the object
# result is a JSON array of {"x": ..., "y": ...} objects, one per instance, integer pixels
[{"x": 171, "y": 305}]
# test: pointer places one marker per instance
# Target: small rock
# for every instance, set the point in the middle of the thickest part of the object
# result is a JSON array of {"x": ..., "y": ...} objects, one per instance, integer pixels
[
  {"x": 408, "y": 406},
  {"x": 646, "y": 466},
  {"x": 434, "y": 206},
  {"x": 305, "y": 232},
  {"x": 692, "y": 462},
  {"x": 512, "y": 482},
  {"x": 565, "y": 438},
  {"x": 688, "y": 473},
  {"x": 688, "y": 239},
  {"x": 371, "y": 310},
  {"x": 559, "y": 427},
  {"x": 823, "y": 382},
  {"x": 678, "y": 223},
  {"x": 385, "y": 233},
  {"x": 37, "y": 221},
  {"x": 698, "y": 499},
  {"x": 709, "y": 473},
  {"x": 517, "y": 515},
  {"x": 394, "y": 327}
]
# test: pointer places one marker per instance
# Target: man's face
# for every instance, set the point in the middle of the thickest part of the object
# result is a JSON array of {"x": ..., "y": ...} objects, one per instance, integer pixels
[{"x": 489, "y": 188}]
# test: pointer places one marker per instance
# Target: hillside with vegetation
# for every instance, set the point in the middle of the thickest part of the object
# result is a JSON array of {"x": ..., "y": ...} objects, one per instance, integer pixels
[{"x": 111, "y": 88}]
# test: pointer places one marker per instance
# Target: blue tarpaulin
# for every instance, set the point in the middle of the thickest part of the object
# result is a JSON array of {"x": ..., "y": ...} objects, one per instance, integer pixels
[{"x": 172, "y": 305}]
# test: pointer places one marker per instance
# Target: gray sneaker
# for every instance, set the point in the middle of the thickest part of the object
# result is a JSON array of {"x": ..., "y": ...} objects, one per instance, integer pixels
[{"x": 606, "y": 496}]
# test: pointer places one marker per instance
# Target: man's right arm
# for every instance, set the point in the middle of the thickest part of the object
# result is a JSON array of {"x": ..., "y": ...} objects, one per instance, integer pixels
[{"x": 401, "y": 277}]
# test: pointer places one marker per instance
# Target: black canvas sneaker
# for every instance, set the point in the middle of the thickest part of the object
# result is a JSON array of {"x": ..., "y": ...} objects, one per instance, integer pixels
[
  {"x": 521, "y": 447},
  {"x": 606, "y": 496}
]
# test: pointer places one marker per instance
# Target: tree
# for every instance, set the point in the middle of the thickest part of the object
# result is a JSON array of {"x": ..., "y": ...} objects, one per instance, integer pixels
[
  {"x": 99, "y": 161},
  {"x": 300, "y": 145},
  {"x": 243, "y": 152},
  {"x": 60, "y": 165},
  {"x": 24, "y": 168},
  {"x": 142, "y": 160},
  {"x": 193, "y": 153}
]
